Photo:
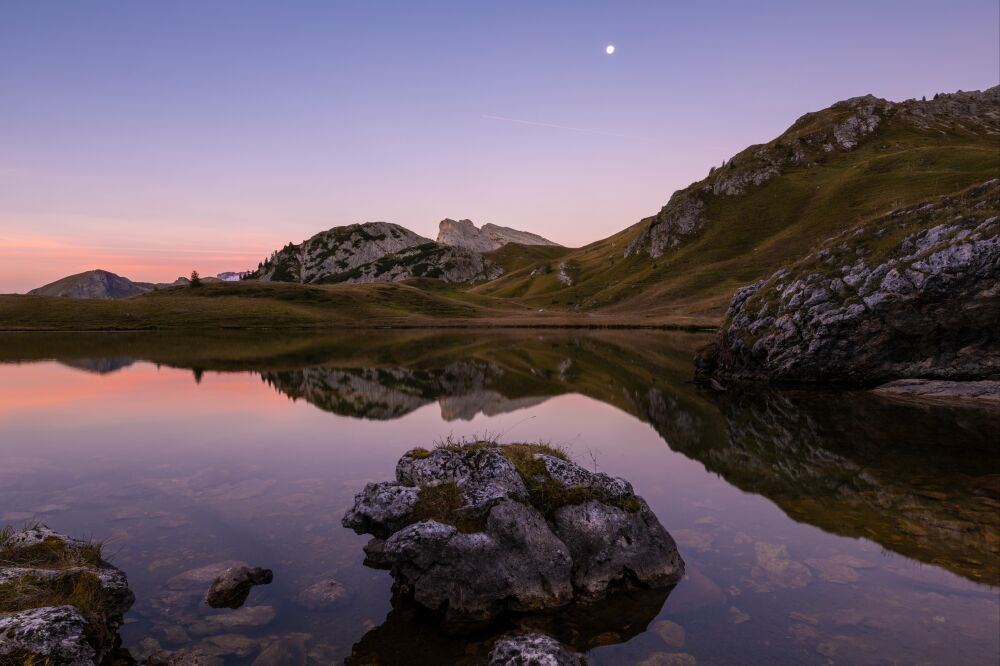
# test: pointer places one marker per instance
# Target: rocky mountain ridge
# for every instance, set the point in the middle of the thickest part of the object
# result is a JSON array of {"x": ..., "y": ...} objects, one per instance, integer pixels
[
  {"x": 372, "y": 252},
  {"x": 465, "y": 234},
  {"x": 807, "y": 143}
]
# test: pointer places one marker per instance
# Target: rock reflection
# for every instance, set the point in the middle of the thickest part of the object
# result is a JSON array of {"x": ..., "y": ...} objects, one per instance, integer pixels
[
  {"x": 411, "y": 634},
  {"x": 919, "y": 480},
  {"x": 922, "y": 481}
]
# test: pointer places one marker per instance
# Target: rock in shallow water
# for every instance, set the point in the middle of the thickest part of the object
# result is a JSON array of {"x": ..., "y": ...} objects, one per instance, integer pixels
[
  {"x": 50, "y": 571},
  {"x": 487, "y": 529},
  {"x": 322, "y": 595},
  {"x": 232, "y": 587},
  {"x": 55, "y": 634}
]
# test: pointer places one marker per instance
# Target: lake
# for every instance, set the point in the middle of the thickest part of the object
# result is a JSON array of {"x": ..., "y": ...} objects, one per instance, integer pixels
[{"x": 818, "y": 527}]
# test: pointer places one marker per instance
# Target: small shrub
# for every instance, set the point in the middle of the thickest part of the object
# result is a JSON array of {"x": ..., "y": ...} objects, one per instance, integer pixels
[{"x": 195, "y": 279}]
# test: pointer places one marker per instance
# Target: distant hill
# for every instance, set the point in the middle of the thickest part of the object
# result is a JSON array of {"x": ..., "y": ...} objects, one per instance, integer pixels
[
  {"x": 97, "y": 283},
  {"x": 105, "y": 285},
  {"x": 465, "y": 234},
  {"x": 372, "y": 252}
]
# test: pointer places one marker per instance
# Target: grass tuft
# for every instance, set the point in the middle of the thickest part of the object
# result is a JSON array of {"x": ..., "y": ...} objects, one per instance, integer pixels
[
  {"x": 444, "y": 503},
  {"x": 50, "y": 553}
]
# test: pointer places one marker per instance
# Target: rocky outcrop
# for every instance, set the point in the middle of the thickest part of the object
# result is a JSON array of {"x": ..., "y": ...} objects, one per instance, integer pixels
[
  {"x": 372, "y": 252},
  {"x": 912, "y": 294},
  {"x": 229, "y": 276},
  {"x": 60, "y": 602},
  {"x": 478, "y": 530},
  {"x": 97, "y": 284},
  {"x": 231, "y": 588},
  {"x": 811, "y": 141},
  {"x": 465, "y": 234}
]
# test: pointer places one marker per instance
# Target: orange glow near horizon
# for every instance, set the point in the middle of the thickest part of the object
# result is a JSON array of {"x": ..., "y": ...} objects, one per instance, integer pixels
[{"x": 32, "y": 261}]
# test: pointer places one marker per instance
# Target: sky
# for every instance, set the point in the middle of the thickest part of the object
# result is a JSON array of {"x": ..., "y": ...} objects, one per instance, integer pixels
[{"x": 153, "y": 138}]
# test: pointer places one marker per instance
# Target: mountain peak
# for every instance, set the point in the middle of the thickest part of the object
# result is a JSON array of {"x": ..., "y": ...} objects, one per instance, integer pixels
[{"x": 465, "y": 234}]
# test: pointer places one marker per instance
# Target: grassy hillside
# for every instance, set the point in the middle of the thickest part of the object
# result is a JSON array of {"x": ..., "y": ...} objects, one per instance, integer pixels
[
  {"x": 763, "y": 209},
  {"x": 276, "y": 305},
  {"x": 748, "y": 236}
]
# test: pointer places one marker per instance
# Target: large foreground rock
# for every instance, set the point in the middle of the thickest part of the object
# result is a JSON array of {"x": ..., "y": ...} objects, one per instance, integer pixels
[
  {"x": 49, "y": 571},
  {"x": 479, "y": 530},
  {"x": 912, "y": 294}
]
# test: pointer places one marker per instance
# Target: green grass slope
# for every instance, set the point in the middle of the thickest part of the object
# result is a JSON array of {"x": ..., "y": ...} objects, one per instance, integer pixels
[{"x": 917, "y": 151}]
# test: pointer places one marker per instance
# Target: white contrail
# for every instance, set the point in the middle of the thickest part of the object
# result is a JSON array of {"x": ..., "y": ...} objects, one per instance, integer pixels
[{"x": 563, "y": 127}]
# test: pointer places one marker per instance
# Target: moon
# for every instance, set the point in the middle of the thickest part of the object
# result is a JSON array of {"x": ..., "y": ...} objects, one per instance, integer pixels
[{"x": 610, "y": 50}]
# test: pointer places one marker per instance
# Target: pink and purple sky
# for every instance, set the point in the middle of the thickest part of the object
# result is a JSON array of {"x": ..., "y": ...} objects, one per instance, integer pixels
[{"x": 151, "y": 139}]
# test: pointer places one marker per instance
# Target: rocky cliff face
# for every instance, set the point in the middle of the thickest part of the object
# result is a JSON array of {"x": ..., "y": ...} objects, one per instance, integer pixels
[
  {"x": 372, "y": 252},
  {"x": 97, "y": 284},
  {"x": 810, "y": 141},
  {"x": 915, "y": 293},
  {"x": 465, "y": 234}
]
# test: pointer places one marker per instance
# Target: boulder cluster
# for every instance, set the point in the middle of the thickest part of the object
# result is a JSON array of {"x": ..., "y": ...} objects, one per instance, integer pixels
[{"x": 479, "y": 530}]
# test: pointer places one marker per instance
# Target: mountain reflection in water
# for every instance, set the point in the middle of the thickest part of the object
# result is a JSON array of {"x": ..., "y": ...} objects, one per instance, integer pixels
[{"x": 920, "y": 481}]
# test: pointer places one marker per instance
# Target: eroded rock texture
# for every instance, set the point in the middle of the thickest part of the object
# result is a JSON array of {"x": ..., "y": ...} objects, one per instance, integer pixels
[
  {"x": 915, "y": 293},
  {"x": 465, "y": 234},
  {"x": 372, "y": 252},
  {"x": 61, "y": 603},
  {"x": 478, "y": 530}
]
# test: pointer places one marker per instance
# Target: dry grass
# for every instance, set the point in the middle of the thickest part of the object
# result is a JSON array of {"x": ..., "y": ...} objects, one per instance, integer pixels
[{"x": 51, "y": 553}]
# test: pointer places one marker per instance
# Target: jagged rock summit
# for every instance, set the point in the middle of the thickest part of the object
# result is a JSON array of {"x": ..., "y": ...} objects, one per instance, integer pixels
[
  {"x": 477, "y": 530},
  {"x": 465, "y": 234},
  {"x": 372, "y": 252},
  {"x": 911, "y": 294},
  {"x": 99, "y": 284}
]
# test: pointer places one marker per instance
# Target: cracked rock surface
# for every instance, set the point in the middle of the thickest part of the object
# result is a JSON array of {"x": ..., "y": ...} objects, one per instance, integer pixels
[
  {"x": 42, "y": 565},
  {"x": 912, "y": 294},
  {"x": 478, "y": 530}
]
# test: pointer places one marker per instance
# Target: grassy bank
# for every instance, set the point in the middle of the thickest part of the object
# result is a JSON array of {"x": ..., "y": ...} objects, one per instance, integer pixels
[{"x": 275, "y": 305}]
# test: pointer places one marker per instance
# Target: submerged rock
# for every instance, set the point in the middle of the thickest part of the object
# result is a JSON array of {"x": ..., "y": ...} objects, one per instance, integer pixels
[
  {"x": 486, "y": 529},
  {"x": 62, "y": 603},
  {"x": 322, "y": 595},
  {"x": 912, "y": 294},
  {"x": 983, "y": 392},
  {"x": 532, "y": 649},
  {"x": 232, "y": 587}
]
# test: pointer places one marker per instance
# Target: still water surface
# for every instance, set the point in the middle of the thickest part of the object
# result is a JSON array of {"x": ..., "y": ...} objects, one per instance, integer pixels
[{"x": 817, "y": 527}]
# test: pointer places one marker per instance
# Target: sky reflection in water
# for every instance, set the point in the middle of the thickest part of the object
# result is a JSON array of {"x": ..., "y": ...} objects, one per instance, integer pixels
[{"x": 817, "y": 527}]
